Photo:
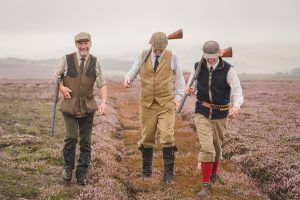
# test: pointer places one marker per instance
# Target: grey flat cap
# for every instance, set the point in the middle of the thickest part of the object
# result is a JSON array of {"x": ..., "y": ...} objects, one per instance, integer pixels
[{"x": 211, "y": 49}]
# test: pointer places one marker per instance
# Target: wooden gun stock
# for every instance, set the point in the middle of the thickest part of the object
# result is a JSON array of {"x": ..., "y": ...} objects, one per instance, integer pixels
[
  {"x": 176, "y": 35},
  {"x": 226, "y": 52}
]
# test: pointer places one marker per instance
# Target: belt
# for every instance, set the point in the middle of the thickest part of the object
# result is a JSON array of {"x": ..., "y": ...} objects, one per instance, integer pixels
[{"x": 214, "y": 106}]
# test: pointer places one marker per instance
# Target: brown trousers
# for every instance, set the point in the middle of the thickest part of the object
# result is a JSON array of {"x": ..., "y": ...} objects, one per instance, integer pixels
[
  {"x": 157, "y": 118},
  {"x": 211, "y": 135}
]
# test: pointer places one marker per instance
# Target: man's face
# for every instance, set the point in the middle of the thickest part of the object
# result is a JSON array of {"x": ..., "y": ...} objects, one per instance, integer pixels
[
  {"x": 83, "y": 48},
  {"x": 157, "y": 52},
  {"x": 211, "y": 61}
]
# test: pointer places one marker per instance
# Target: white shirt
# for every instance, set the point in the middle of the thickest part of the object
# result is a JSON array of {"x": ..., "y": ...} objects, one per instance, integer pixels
[
  {"x": 179, "y": 79},
  {"x": 236, "y": 94}
]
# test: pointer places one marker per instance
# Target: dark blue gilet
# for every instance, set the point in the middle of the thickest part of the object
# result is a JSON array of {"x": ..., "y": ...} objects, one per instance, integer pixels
[{"x": 220, "y": 89}]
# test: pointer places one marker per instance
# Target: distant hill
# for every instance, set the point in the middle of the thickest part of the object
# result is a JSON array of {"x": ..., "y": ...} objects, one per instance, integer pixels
[
  {"x": 296, "y": 71},
  {"x": 16, "y": 68}
]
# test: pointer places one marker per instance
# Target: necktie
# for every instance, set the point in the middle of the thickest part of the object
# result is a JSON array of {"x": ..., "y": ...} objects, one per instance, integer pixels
[
  {"x": 156, "y": 63},
  {"x": 82, "y": 64}
]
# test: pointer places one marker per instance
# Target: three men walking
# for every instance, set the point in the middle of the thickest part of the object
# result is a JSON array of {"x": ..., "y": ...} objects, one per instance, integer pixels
[{"x": 161, "y": 91}]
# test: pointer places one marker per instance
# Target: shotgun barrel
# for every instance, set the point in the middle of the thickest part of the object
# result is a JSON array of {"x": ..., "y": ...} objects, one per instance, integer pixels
[{"x": 56, "y": 93}]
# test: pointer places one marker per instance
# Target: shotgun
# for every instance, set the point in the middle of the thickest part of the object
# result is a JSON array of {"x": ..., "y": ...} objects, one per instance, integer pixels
[
  {"x": 56, "y": 93},
  {"x": 176, "y": 35},
  {"x": 223, "y": 53}
]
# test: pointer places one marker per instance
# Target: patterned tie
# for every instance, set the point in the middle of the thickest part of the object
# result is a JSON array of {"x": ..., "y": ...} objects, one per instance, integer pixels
[
  {"x": 82, "y": 64},
  {"x": 156, "y": 63}
]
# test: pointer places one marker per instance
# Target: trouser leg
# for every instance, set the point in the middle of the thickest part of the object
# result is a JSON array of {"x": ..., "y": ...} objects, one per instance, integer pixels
[
  {"x": 69, "y": 149},
  {"x": 85, "y": 132}
]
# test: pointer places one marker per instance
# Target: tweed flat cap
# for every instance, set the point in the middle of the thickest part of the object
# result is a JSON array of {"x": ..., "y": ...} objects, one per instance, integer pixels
[
  {"x": 82, "y": 37},
  {"x": 211, "y": 49},
  {"x": 159, "y": 40}
]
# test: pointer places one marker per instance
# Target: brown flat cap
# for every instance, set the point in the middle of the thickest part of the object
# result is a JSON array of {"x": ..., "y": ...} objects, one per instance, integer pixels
[
  {"x": 82, "y": 37},
  {"x": 159, "y": 40}
]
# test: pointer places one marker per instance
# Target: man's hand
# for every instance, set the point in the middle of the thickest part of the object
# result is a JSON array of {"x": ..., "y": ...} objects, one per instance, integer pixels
[
  {"x": 65, "y": 91},
  {"x": 177, "y": 104},
  {"x": 102, "y": 108},
  {"x": 126, "y": 83},
  {"x": 233, "y": 112},
  {"x": 188, "y": 90}
]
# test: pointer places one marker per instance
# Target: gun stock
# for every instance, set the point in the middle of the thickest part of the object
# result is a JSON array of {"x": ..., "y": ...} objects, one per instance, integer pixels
[
  {"x": 176, "y": 35},
  {"x": 226, "y": 52}
]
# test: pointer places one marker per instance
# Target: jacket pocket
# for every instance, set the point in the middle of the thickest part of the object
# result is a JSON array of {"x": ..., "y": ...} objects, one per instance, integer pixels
[
  {"x": 91, "y": 104},
  {"x": 67, "y": 106}
]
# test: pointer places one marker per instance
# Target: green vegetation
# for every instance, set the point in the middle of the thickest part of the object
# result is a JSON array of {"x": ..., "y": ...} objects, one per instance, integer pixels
[{"x": 31, "y": 162}]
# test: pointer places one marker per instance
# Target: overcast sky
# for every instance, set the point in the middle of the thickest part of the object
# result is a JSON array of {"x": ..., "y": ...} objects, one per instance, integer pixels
[{"x": 39, "y": 29}]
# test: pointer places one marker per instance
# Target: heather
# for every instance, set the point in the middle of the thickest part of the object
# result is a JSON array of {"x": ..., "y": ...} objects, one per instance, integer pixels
[
  {"x": 31, "y": 160},
  {"x": 261, "y": 149},
  {"x": 264, "y": 142}
]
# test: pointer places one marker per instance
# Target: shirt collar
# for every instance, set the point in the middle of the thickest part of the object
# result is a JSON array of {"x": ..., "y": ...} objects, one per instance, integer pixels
[
  {"x": 214, "y": 66},
  {"x": 79, "y": 57},
  {"x": 153, "y": 54}
]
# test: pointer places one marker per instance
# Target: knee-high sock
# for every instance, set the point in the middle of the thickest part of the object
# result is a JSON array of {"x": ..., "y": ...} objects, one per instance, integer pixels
[
  {"x": 215, "y": 167},
  {"x": 206, "y": 168}
]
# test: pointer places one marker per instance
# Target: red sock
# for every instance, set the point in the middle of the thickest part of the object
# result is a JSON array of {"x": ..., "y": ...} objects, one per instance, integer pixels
[
  {"x": 215, "y": 167},
  {"x": 206, "y": 168}
]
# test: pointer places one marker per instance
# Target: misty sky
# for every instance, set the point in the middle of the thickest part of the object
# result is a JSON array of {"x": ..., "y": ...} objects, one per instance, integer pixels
[{"x": 39, "y": 29}]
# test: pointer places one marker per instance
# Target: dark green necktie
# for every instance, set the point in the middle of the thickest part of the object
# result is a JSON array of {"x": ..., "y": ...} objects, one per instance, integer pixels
[{"x": 82, "y": 64}]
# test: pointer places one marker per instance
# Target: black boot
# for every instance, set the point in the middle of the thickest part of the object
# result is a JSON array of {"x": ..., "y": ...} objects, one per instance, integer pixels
[
  {"x": 169, "y": 159},
  {"x": 147, "y": 154},
  {"x": 82, "y": 167},
  {"x": 69, "y": 158}
]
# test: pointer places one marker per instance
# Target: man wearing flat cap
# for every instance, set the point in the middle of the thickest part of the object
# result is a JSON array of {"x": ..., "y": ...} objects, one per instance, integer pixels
[
  {"x": 216, "y": 84},
  {"x": 79, "y": 71},
  {"x": 158, "y": 102}
]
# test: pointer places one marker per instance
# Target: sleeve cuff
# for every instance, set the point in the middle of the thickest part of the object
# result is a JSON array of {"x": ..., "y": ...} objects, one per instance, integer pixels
[
  {"x": 178, "y": 98},
  {"x": 237, "y": 105}
]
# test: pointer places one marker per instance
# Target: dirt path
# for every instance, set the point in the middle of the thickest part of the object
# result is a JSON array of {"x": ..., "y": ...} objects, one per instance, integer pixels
[{"x": 187, "y": 176}]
